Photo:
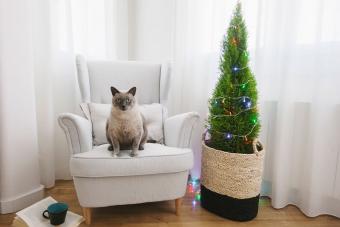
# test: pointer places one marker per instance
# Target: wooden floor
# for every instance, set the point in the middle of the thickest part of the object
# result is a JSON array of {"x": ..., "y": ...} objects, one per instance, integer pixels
[{"x": 162, "y": 214}]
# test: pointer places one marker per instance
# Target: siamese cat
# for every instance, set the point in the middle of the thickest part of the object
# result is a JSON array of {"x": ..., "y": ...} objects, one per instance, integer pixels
[{"x": 125, "y": 127}]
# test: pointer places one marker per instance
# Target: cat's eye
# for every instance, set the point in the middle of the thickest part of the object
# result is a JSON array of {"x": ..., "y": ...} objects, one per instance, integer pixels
[{"x": 118, "y": 100}]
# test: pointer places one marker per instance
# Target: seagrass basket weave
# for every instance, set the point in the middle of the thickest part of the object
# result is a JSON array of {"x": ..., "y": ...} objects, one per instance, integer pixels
[{"x": 231, "y": 182}]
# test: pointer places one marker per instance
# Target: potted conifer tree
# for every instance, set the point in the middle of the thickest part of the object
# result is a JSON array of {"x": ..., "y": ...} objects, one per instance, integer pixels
[{"x": 232, "y": 157}]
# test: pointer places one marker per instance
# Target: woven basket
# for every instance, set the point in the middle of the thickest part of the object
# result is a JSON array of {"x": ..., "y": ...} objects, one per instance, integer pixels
[{"x": 231, "y": 182}]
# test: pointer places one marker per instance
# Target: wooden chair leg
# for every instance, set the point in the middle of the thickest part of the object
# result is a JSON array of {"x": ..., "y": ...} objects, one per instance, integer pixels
[
  {"x": 87, "y": 212},
  {"x": 178, "y": 203}
]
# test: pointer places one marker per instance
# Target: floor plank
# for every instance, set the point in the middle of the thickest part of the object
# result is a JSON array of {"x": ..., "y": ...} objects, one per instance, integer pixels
[{"x": 162, "y": 214}]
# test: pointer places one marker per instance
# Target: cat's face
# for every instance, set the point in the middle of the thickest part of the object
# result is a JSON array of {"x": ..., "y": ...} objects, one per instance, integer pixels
[{"x": 123, "y": 100}]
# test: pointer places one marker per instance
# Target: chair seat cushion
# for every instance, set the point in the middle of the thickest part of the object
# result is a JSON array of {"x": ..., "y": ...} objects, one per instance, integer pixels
[{"x": 154, "y": 159}]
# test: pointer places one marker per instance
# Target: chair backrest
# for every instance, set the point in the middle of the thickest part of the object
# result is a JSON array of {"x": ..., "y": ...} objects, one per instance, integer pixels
[{"x": 96, "y": 77}]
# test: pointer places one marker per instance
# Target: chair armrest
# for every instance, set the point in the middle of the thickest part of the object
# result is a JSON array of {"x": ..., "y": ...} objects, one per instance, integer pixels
[
  {"x": 178, "y": 129},
  {"x": 78, "y": 131}
]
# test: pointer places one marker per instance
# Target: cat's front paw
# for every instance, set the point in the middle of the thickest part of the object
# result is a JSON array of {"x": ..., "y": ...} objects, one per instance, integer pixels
[
  {"x": 115, "y": 154},
  {"x": 133, "y": 154}
]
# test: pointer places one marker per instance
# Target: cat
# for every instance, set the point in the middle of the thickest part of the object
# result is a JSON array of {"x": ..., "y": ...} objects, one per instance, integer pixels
[{"x": 125, "y": 127}]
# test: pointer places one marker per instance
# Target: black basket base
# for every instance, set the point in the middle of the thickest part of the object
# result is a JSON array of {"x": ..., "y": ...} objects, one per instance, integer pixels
[{"x": 229, "y": 207}]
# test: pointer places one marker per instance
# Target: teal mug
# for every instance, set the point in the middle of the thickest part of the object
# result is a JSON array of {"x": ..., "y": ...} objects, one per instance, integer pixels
[{"x": 56, "y": 213}]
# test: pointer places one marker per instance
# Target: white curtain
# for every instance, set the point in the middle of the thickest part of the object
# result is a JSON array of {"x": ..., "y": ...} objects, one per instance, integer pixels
[
  {"x": 19, "y": 166},
  {"x": 56, "y": 30},
  {"x": 93, "y": 28},
  {"x": 295, "y": 51},
  {"x": 296, "y": 63},
  {"x": 62, "y": 29}
]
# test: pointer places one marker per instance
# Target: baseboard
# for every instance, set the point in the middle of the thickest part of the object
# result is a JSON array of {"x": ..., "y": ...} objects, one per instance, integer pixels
[{"x": 22, "y": 201}]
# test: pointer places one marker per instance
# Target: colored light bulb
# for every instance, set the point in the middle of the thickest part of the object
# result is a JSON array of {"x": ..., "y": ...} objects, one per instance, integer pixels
[
  {"x": 246, "y": 102},
  {"x": 228, "y": 136},
  {"x": 207, "y": 136},
  {"x": 198, "y": 197},
  {"x": 235, "y": 69},
  {"x": 215, "y": 103},
  {"x": 194, "y": 180},
  {"x": 193, "y": 184},
  {"x": 247, "y": 105},
  {"x": 191, "y": 188},
  {"x": 194, "y": 203}
]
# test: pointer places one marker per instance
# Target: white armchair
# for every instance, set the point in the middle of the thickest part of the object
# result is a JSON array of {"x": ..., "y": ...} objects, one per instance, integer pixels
[{"x": 158, "y": 173}]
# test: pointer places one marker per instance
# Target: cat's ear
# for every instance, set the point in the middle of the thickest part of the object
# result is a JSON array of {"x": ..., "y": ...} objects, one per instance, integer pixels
[
  {"x": 132, "y": 91},
  {"x": 114, "y": 91}
]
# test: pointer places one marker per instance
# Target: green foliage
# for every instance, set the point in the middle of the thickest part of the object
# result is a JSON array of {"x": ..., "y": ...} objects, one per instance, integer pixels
[{"x": 228, "y": 114}]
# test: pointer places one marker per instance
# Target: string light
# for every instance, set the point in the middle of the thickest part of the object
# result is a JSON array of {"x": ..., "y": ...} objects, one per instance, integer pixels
[
  {"x": 191, "y": 188},
  {"x": 229, "y": 97},
  {"x": 235, "y": 135},
  {"x": 216, "y": 103},
  {"x": 228, "y": 136},
  {"x": 228, "y": 112},
  {"x": 235, "y": 42},
  {"x": 235, "y": 69},
  {"x": 253, "y": 119},
  {"x": 242, "y": 84},
  {"x": 194, "y": 203},
  {"x": 246, "y": 141},
  {"x": 247, "y": 105},
  {"x": 233, "y": 115},
  {"x": 198, "y": 196},
  {"x": 194, "y": 191},
  {"x": 194, "y": 181},
  {"x": 246, "y": 102},
  {"x": 207, "y": 136}
]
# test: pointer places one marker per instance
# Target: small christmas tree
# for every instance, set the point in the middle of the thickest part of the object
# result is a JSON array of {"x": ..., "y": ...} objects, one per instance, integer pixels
[{"x": 233, "y": 121}]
